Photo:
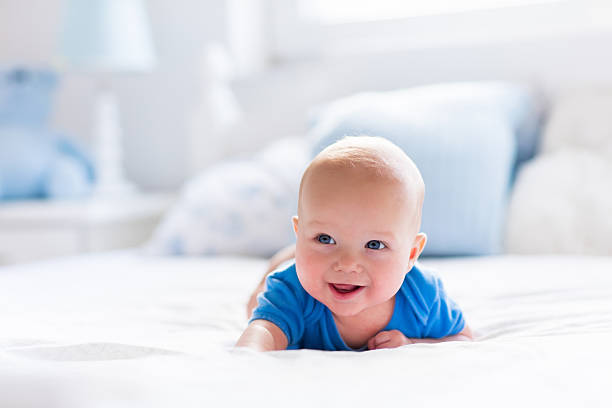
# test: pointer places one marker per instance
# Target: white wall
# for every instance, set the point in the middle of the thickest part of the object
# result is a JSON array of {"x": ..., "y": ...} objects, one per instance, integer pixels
[{"x": 159, "y": 108}]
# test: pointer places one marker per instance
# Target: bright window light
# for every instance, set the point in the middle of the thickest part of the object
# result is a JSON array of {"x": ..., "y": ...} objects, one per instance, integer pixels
[{"x": 350, "y": 11}]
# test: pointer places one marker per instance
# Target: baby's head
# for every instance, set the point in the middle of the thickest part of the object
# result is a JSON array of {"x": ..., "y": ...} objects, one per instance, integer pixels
[{"x": 357, "y": 228}]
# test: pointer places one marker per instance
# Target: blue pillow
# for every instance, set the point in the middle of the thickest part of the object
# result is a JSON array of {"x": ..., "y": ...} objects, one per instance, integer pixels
[{"x": 466, "y": 138}]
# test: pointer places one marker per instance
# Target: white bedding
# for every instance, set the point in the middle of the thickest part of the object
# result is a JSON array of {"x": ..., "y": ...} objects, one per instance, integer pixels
[{"x": 125, "y": 330}]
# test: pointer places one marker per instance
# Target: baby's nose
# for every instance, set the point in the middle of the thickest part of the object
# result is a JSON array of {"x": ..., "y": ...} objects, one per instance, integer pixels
[{"x": 347, "y": 263}]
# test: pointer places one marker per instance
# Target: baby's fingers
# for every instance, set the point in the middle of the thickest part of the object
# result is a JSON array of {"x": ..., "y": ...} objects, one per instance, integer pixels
[
  {"x": 387, "y": 339},
  {"x": 376, "y": 341}
]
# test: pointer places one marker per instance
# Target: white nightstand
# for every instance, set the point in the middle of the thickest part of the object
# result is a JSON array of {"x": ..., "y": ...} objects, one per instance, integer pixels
[{"x": 31, "y": 230}]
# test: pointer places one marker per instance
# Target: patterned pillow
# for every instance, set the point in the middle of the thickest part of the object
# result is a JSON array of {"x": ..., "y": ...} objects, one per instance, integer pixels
[{"x": 237, "y": 207}]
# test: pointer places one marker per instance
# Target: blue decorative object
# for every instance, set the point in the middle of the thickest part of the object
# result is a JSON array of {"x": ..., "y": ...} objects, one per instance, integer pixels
[
  {"x": 466, "y": 138},
  {"x": 25, "y": 96},
  {"x": 41, "y": 164},
  {"x": 36, "y": 162}
]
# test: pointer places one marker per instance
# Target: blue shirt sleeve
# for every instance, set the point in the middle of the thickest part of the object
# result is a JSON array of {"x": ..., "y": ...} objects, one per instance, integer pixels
[
  {"x": 282, "y": 303},
  {"x": 438, "y": 315},
  {"x": 445, "y": 317}
]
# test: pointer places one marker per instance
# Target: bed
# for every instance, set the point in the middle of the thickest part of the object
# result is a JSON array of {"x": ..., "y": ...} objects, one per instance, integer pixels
[{"x": 128, "y": 329}]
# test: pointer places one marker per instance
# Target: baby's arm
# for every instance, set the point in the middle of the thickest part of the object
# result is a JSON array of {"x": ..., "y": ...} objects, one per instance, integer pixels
[
  {"x": 281, "y": 256},
  {"x": 395, "y": 338},
  {"x": 262, "y": 335}
]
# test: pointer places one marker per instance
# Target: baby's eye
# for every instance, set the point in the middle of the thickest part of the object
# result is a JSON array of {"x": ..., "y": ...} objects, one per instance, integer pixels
[
  {"x": 325, "y": 239},
  {"x": 375, "y": 244}
]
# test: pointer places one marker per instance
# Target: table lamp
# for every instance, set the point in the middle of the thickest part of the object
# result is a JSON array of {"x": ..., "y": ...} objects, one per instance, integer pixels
[{"x": 103, "y": 37}]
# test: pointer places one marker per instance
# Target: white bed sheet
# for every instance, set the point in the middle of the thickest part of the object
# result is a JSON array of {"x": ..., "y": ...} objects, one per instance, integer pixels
[{"x": 128, "y": 329}]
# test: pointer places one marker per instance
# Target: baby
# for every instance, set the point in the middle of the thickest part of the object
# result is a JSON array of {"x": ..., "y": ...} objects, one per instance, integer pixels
[{"x": 354, "y": 284}]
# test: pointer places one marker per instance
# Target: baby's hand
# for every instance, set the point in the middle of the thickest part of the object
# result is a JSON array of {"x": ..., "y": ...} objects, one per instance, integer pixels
[{"x": 388, "y": 339}]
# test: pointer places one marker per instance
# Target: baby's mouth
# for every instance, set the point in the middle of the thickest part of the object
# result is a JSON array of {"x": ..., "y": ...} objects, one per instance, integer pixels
[
  {"x": 344, "y": 288},
  {"x": 344, "y": 291}
]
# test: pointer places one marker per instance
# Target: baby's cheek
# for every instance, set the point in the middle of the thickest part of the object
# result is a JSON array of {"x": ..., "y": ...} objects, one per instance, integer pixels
[
  {"x": 309, "y": 271},
  {"x": 303, "y": 265},
  {"x": 389, "y": 283}
]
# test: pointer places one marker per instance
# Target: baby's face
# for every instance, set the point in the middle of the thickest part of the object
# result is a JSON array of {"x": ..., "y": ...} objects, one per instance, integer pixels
[{"x": 355, "y": 235}]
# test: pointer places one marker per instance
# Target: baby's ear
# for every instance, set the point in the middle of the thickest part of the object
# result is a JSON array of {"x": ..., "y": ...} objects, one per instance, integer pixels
[
  {"x": 295, "y": 223},
  {"x": 417, "y": 247}
]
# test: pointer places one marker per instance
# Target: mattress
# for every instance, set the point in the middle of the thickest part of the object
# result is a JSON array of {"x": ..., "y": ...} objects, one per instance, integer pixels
[{"x": 125, "y": 329}]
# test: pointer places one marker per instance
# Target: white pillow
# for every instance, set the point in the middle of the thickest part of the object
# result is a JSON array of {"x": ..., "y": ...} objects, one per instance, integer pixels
[
  {"x": 562, "y": 203},
  {"x": 562, "y": 200},
  {"x": 237, "y": 207},
  {"x": 581, "y": 120}
]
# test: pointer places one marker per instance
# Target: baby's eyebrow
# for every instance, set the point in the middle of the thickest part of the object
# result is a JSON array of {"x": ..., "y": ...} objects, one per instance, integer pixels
[
  {"x": 317, "y": 223},
  {"x": 384, "y": 234}
]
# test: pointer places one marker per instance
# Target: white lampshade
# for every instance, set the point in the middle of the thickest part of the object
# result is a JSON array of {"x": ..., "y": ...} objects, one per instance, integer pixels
[{"x": 107, "y": 35}]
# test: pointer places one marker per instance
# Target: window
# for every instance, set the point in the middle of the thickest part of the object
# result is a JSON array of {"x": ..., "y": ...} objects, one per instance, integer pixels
[
  {"x": 320, "y": 28},
  {"x": 350, "y": 11}
]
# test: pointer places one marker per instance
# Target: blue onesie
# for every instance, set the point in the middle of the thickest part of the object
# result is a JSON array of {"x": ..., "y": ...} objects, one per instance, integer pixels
[{"x": 422, "y": 309}]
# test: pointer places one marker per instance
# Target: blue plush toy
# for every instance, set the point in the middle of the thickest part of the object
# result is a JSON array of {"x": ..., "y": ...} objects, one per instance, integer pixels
[{"x": 34, "y": 161}]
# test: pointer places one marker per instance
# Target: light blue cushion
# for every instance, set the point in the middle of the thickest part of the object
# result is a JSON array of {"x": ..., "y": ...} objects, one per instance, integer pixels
[{"x": 464, "y": 137}]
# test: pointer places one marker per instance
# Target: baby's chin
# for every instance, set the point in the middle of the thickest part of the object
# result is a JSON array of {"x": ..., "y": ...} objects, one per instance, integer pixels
[
  {"x": 344, "y": 311},
  {"x": 348, "y": 309}
]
